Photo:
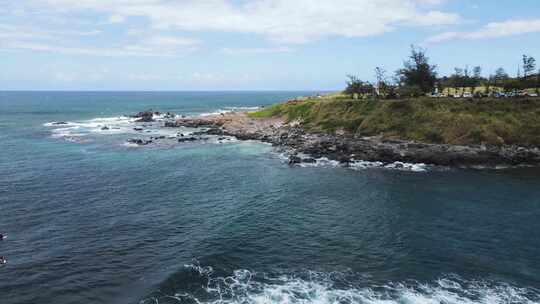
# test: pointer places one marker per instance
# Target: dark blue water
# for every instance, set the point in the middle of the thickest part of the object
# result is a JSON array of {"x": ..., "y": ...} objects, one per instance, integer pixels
[{"x": 92, "y": 220}]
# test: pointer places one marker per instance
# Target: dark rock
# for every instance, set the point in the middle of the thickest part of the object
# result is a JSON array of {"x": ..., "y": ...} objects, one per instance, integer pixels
[
  {"x": 190, "y": 123},
  {"x": 139, "y": 141},
  {"x": 293, "y": 159},
  {"x": 170, "y": 124},
  {"x": 146, "y": 116},
  {"x": 187, "y": 139},
  {"x": 342, "y": 147}
]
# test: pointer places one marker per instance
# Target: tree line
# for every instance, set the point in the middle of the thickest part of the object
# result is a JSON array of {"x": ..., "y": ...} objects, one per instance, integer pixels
[{"x": 419, "y": 77}]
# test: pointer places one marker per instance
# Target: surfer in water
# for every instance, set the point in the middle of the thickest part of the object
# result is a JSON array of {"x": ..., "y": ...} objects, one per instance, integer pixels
[{"x": 2, "y": 237}]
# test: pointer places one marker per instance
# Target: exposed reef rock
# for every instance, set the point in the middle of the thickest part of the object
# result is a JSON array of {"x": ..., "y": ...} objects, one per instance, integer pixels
[
  {"x": 139, "y": 142},
  {"x": 145, "y": 116},
  {"x": 346, "y": 148}
]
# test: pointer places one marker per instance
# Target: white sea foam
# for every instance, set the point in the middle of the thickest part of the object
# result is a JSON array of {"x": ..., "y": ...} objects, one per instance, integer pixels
[
  {"x": 355, "y": 164},
  {"x": 407, "y": 166},
  {"x": 130, "y": 145},
  {"x": 112, "y": 126},
  {"x": 321, "y": 162},
  {"x": 414, "y": 167},
  {"x": 246, "y": 287}
]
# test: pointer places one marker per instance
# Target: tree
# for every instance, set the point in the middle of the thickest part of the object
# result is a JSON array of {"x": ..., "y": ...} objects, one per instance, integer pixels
[
  {"x": 489, "y": 81},
  {"x": 382, "y": 81},
  {"x": 417, "y": 71},
  {"x": 477, "y": 78},
  {"x": 357, "y": 86},
  {"x": 477, "y": 72},
  {"x": 353, "y": 85},
  {"x": 512, "y": 85},
  {"x": 457, "y": 79},
  {"x": 500, "y": 77},
  {"x": 409, "y": 91},
  {"x": 529, "y": 65},
  {"x": 501, "y": 74},
  {"x": 537, "y": 86}
]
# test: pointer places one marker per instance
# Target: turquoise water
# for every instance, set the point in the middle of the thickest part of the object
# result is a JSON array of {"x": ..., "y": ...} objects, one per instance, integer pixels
[{"x": 92, "y": 220}]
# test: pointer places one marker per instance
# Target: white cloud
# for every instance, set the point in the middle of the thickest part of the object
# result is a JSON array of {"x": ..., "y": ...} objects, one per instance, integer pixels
[
  {"x": 135, "y": 50},
  {"x": 155, "y": 27},
  {"x": 283, "y": 21},
  {"x": 247, "y": 51},
  {"x": 492, "y": 30},
  {"x": 16, "y": 37},
  {"x": 17, "y": 31}
]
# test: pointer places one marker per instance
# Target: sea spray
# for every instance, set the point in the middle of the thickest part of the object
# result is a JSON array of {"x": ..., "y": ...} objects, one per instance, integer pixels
[{"x": 246, "y": 287}]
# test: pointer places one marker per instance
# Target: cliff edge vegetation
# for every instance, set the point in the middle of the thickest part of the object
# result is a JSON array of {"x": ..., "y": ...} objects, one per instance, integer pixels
[{"x": 490, "y": 121}]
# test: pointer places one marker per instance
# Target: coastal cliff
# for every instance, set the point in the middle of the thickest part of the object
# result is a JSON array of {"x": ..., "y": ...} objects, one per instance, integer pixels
[{"x": 464, "y": 134}]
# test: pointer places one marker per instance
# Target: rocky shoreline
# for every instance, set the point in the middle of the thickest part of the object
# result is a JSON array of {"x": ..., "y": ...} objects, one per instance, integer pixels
[{"x": 347, "y": 148}]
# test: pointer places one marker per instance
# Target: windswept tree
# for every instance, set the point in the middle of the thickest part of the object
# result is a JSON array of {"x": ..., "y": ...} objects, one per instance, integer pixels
[
  {"x": 529, "y": 65},
  {"x": 417, "y": 72}
]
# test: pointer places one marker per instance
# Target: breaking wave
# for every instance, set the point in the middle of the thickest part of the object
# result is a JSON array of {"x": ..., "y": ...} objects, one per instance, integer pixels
[
  {"x": 196, "y": 284},
  {"x": 111, "y": 126},
  {"x": 356, "y": 164}
]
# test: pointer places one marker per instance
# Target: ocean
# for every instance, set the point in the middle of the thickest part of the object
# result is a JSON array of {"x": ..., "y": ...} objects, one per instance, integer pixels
[{"x": 91, "y": 218}]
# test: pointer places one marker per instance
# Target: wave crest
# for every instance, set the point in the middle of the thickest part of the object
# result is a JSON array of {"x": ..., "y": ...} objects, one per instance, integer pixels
[{"x": 247, "y": 287}]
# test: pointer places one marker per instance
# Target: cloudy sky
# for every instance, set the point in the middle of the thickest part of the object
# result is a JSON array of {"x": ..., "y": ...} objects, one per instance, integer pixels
[{"x": 250, "y": 44}]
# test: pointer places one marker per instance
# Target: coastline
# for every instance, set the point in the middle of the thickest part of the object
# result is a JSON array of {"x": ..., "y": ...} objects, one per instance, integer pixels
[{"x": 347, "y": 148}]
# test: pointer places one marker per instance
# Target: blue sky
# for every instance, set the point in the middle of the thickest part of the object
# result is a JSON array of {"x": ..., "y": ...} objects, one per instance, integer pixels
[{"x": 251, "y": 45}]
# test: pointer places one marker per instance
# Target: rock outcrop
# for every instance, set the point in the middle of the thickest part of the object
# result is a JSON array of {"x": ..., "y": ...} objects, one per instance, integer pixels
[
  {"x": 145, "y": 116},
  {"x": 348, "y": 147},
  {"x": 139, "y": 142}
]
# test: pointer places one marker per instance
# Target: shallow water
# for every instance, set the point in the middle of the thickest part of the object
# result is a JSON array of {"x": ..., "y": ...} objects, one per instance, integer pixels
[{"x": 92, "y": 220}]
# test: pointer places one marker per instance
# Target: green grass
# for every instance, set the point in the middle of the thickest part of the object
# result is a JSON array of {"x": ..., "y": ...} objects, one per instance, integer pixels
[{"x": 453, "y": 121}]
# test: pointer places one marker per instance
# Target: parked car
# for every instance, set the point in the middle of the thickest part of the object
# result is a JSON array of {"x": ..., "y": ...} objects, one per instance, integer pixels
[
  {"x": 467, "y": 95},
  {"x": 533, "y": 95}
]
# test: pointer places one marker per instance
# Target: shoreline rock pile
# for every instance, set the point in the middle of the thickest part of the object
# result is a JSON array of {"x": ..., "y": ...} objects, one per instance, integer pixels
[{"x": 347, "y": 148}]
